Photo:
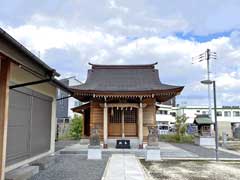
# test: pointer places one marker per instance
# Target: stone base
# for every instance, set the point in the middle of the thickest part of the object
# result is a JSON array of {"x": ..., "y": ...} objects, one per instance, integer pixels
[
  {"x": 153, "y": 153},
  {"x": 208, "y": 141},
  {"x": 105, "y": 146},
  {"x": 94, "y": 152},
  {"x": 140, "y": 146}
]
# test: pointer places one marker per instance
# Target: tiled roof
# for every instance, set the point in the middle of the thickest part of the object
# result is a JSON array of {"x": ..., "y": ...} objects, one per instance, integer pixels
[{"x": 123, "y": 78}]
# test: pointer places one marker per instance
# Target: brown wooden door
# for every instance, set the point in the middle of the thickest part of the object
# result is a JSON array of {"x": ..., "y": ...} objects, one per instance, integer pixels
[
  {"x": 115, "y": 122},
  {"x": 130, "y": 122}
]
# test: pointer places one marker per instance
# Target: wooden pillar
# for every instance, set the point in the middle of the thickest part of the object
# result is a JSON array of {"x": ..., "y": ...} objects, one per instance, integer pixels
[
  {"x": 140, "y": 125},
  {"x": 83, "y": 124},
  {"x": 4, "y": 98},
  {"x": 123, "y": 131},
  {"x": 105, "y": 125}
]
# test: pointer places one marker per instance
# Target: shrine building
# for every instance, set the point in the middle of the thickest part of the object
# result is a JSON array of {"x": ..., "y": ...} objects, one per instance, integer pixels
[{"x": 120, "y": 100}]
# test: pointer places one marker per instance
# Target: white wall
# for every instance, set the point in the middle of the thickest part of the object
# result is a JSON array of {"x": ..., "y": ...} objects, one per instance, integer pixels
[
  {"x": 192, "y": 111},
  {"x": 165, "y": 117}
]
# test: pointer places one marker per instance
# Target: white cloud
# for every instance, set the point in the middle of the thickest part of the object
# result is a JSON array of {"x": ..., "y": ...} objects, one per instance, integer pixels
[
  {"x": 42, "y": 38},
  {"x": 131, "y": 32},
  {"x": 228, "y": 81}
]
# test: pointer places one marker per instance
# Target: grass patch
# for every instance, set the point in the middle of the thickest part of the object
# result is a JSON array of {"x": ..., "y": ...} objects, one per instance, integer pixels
[{"x": 174, "y": 138}]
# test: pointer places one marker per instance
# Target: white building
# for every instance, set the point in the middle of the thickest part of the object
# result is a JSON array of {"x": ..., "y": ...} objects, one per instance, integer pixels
[
  {"x": 165, "y": 117},
  {"x": 64, "y": 106},
  {"x": 227, "y": 116}
]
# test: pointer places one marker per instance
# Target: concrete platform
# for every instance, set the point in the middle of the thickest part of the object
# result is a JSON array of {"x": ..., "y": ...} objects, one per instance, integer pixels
[
  {"x": 167, "y": 151},
  {"x": 206, "y": 141}
]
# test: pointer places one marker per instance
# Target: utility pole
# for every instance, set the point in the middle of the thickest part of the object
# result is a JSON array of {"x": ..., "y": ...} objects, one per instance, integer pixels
[
  {"x": 207, "y": 56},
  {"x": 209, "y": 87}
]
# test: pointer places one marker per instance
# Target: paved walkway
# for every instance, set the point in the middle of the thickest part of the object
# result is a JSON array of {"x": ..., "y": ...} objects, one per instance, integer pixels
[
  {"x": 170, "y": 151},
  {"x": 207, "y": 153},
  {"x": 124, "y": 167}
]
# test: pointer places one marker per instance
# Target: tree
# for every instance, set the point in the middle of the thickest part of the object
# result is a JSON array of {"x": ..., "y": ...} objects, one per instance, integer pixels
[
  {"x": 75, "y": 130},
  {"x": 181, "y": 125}
]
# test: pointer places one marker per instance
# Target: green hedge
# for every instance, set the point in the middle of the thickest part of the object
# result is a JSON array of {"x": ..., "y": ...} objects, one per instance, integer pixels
[{"x": 175, "y": 138}]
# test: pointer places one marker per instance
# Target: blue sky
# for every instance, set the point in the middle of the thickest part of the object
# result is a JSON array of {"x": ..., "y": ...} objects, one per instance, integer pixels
[
  {"x": 69, "y": 34},
  {"x": 203, "y": 38}
]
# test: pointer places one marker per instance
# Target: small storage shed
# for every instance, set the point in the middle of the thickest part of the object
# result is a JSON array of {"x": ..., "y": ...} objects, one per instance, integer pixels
[
  {"x": 203, "y": 123},
  {"x": 27, "y": 105}
]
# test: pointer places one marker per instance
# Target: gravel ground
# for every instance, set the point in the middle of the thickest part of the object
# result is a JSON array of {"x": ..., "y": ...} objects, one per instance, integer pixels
[
  {"x": 73, "y": 167},
  {"x": 62, "y": 144},
  {"x": 204, "y": 152},
  {"x": 193, "y": 170}
]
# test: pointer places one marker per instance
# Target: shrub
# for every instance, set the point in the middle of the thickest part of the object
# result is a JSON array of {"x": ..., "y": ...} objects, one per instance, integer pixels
[
  {"x": 175, "y": 138},
  {"x": 75, "y": 129}
]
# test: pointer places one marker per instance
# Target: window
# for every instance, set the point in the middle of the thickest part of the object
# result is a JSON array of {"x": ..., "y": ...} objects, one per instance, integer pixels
[
  {"x": 236, "y": 113},
  {"x": 219, "y": 113},
  {"x": 66, "y": 120},
  {"x": 162, "y": 112},
  {"x": 163, "y": 127},
  {"x": 130, "y": 116},
  {"x": 227, "y": 113},
  {"x": 165, "y": 112},
  {"x": 198, "y": 111},
  {"x": 204, "y": 112},
  {"x": 173, "y": 114}
]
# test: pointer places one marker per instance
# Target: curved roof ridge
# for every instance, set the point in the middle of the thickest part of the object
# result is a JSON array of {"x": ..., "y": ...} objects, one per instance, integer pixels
[{"x": 123, "y": 66}]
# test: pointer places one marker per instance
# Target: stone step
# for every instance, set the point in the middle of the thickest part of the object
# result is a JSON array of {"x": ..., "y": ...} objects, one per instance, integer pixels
[
  {"x": 84, "y": 141},
  {"x": 45, "y": 162},
  {"x": 105, "y": 153},
  {"x": 22, "y": 173}
]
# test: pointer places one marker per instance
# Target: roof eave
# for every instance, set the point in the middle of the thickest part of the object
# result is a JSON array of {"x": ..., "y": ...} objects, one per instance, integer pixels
[{"x": 89, "y": 91}]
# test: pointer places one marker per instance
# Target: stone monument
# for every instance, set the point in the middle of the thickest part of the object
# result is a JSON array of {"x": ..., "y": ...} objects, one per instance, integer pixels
[
  {"x": 94, "y": 148},
  {"x": 152, "y": 148}
]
